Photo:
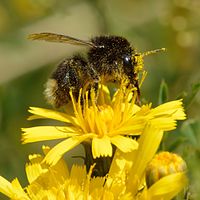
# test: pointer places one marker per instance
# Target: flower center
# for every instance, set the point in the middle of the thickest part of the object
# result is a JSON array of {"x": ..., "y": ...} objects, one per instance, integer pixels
[{"x": 97, "y": 119}]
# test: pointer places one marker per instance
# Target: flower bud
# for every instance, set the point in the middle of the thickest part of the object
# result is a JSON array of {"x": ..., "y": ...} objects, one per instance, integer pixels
[{"x": 163, "y": 164}]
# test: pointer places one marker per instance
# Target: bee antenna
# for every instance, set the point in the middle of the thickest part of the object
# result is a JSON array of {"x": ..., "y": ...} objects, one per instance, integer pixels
[{"x": 153, "y": 51}]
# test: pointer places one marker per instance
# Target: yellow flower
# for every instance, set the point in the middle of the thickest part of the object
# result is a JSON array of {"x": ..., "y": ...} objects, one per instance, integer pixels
[
  {"x": 125, "y": 180},
  {"x": 102, "y": 122},
  {"x": 56, "y": 182}
]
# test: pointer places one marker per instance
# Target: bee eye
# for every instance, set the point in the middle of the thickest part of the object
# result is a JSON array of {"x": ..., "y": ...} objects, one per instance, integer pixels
[{"x": 127, "y": 61}]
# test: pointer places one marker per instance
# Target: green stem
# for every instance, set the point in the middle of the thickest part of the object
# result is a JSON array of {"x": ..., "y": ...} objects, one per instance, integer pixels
[{"x": 102, "y": 164}]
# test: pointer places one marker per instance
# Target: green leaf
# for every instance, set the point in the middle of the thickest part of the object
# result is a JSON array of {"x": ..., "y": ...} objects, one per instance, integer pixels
[
  {"x": 188, "y": 131},
  {"x": 163, "y": 93},
  {"x": 191, "y": 95}
]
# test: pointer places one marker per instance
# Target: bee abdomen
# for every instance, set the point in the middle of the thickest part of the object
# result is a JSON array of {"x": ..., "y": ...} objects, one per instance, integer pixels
[
  {"x": 70, "y": 74},
  {"x": 51, "y": 87}
]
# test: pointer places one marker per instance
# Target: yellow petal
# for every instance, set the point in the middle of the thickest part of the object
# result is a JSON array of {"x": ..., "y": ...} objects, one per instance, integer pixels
[
  {"x": 133, "y": 126},
  {"x": 168, "y": 186},
  {"x": 172, "y": 108},
  {"x": 41, "y": 133},
  {"x": 125, "y": 144},
  {"x": 54, "y": 155},
  {"x": 51, "y": 114},
  {"x": 61, "y": 170},
  {"x": 97, "y": 182},
  {"x": 149, "y": 142},
  {"x": 34, "y": 168},
  {"x": 5, "y": 187},
  {"x": 101, "y": 147},
  {"x": 12, "y": 190},
  {"x": 164, "y": 123},
  {"x": 78, "y": 174}
]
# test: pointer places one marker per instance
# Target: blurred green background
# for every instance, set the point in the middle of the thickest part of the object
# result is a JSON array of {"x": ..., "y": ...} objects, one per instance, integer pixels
[{"x": 25, "y": 65}]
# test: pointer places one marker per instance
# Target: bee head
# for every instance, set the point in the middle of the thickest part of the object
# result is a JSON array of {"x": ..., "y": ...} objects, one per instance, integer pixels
[
  {"x": 114, "y": 58},
  {"x": 110, "y": 52}
]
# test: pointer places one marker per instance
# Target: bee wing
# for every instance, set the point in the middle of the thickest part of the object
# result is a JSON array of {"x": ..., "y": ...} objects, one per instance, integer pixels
[{"x": 53, "y": 37}]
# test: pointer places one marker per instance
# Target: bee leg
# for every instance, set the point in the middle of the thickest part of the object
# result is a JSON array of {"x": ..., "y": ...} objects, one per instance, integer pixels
[
  {"x": 85, "y": 89},
  {"x": 96, "y": 90},
  {"x": 138, "y": 93},
  {"x": 134, "y": 83}
]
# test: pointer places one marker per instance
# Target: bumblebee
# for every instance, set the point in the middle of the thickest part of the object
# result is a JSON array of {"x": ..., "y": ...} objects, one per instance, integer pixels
[{"x": 109, "y": 58}]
